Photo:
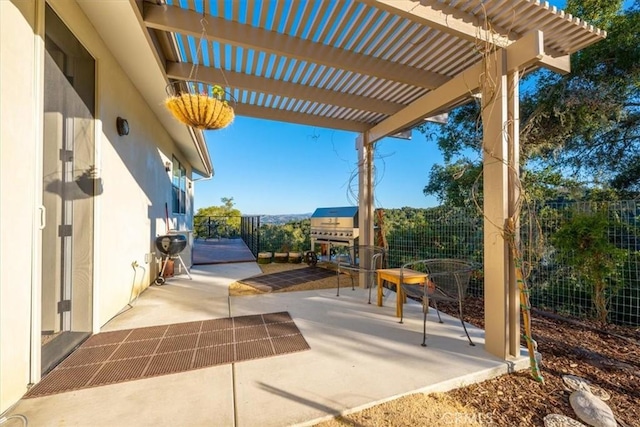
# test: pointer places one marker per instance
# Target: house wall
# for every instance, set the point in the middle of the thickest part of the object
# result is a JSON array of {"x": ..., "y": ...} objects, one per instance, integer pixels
[
  {"x": 19, "y": 139},
  {"x": 129, "y": 213}
]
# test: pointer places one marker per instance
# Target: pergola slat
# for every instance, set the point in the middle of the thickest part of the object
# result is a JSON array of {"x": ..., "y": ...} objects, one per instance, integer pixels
[
  {"x": 180, "y": 71},
  {"x": 408, "y": 37},
  {"x": 183, "y": 21}
]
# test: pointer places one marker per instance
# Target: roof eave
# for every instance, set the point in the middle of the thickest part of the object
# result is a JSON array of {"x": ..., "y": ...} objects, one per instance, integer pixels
[{"x": 132, "y": 47}]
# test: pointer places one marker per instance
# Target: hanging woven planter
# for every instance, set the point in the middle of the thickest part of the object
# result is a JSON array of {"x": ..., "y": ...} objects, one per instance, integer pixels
[{"x": 200, "y": 105}]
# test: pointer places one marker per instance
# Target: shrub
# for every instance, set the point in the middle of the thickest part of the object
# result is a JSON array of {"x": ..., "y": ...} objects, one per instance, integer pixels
[{"x": 583, "y": 243}]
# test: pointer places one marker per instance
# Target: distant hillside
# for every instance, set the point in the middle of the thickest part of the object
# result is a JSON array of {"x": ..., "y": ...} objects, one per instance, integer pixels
[{"x": 283, "y": 219}]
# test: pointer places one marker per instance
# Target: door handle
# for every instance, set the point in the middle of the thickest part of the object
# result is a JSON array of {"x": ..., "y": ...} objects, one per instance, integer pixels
[{"x": 43, "y": 217}]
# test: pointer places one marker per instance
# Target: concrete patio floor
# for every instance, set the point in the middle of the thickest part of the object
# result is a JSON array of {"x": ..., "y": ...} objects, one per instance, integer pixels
[{"x": 360, "y": 356}]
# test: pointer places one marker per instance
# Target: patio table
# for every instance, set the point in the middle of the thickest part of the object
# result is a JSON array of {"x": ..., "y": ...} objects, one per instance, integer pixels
[{"x": 393, "y": 275}]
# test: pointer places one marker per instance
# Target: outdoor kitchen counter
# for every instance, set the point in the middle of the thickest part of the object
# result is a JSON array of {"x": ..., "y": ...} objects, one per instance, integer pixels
[{"x": 398, "y": 276}]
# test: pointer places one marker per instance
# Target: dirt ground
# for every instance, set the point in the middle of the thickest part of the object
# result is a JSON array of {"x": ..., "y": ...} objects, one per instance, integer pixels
[{"x": 605, "y": 355}]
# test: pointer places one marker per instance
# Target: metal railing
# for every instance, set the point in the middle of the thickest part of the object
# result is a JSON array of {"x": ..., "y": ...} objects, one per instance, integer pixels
[
  {"x": 250, "y": 233},
  {"x": 216, "y": 227},
  {"x": 246, "y": 228}
]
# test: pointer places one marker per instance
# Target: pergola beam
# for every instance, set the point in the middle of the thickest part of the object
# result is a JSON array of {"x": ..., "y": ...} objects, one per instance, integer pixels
[
  {"x": 533, "y": 54},
  {"x": 280, "y": 115},
  {"x": 182, "y": 71},
  {"x": 178, "y": 20},
  {"x": 461, "y": 86},
  {"x": 450, "y": 20},
  {"x": 526, "y": 52},
  {"x": 560, "y": 65}
]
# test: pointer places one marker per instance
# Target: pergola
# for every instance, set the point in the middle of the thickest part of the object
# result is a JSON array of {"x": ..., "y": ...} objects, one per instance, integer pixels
[{"x": 380, "y": 67}]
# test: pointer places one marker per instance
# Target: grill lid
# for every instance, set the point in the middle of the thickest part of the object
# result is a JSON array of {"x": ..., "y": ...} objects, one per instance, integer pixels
[
  {"x": 171, "y": 244},
  {"x": 339, "y": 224},
  {"x": 339, "y": 212}
]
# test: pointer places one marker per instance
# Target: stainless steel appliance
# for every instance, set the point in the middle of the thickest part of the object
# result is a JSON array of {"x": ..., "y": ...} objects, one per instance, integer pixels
[{"x": 336, "y": 226}]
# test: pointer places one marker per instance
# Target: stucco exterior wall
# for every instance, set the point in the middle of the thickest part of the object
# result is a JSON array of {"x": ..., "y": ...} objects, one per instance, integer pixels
[
  {"x": 18, "y": 141},
  {"x": 129, "y": 213}
]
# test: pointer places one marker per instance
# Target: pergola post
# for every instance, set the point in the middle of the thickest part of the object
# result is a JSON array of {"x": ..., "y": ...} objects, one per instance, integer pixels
[
  {"x": 500, "y": 183},
  {"x": 513, "y": 104},
  {"x": 365, "y": 201}
]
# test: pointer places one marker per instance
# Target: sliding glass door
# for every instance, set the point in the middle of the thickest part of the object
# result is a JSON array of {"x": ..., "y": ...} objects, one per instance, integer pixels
[{"x": 69, "y": 192}]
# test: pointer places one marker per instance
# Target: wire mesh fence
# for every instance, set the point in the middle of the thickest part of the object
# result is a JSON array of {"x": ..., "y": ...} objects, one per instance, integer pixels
[
  {"x": 250, "y": 233},
  {"x": 441, "y": 232},
  {"x": 292, "y": 236},
  {"x": 581, "y": 258}
]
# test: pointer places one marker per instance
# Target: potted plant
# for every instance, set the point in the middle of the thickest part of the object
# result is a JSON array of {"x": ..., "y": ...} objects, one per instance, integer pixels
[
  {"x": 295, "y": 257},
  {"x": 264, "y": 257},
  {"x": 205, "y": 110},
  {"x": 280, "y": 257}
]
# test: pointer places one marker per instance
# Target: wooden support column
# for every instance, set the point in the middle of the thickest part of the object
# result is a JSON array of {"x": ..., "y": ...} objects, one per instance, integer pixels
[
  {"x": 499, "y": 108},
  {"x": 513, "y": 128},
  {"x": 365, "y": 201}
]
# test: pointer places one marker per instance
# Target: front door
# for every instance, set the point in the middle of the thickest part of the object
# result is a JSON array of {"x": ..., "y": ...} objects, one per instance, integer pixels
[{"x": 69, "y": 189}]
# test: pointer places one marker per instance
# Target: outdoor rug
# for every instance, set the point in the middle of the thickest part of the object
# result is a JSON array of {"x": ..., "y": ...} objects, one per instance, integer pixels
[
  {"x": 284, "y": 279},
  {"x": 134, "y": 354}
]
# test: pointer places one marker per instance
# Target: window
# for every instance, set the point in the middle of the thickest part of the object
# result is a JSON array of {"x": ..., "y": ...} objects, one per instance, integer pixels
[{"x": 179, "y": 187}]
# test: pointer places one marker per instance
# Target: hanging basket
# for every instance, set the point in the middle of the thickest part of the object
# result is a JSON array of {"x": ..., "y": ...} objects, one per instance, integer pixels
[{"x": 199, "y": 105}]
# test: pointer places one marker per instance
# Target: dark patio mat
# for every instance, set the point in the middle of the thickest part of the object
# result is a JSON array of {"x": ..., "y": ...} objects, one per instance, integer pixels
[
  {"x": 133, "y": 354},
  {"x": 284, "y": 279}
]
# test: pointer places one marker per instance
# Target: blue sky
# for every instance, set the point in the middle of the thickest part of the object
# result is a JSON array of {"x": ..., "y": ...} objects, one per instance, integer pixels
[{"x": 278, "y": 168}]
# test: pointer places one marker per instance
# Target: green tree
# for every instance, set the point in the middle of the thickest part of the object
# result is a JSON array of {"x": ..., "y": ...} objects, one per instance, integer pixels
[
  {"x": 292, "y": 236},
  {"x": 588, "y": 122},
  {"x": 438, "y": 232},
  {"x": 583, "y": 243},
  {"x": 579, "y": 131},
  {"x": 454, "y": 184},
  {"x": 218, "y": 221}
]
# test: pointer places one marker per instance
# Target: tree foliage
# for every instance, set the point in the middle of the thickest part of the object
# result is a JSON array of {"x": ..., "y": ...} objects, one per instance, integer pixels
[
  {"x": 226, "y": 209},
  {"x": 579, "y": 131},
  {"x": 218, "y": 221},
  {"x": 583, "y": 243},
  {"x": 292, "y": 236},
  {"x": 438, "y": 232},
  {"x": 589, "y": 120}
]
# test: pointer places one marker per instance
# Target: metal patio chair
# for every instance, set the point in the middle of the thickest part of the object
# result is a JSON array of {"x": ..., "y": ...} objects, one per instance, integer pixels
[
  {"x": 448, "y": 280},
  {"x": 348, "y": 260}
]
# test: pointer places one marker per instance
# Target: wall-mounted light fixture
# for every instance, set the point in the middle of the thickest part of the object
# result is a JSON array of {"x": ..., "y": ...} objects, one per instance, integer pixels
[
  {"x": 123, "y": 126},
  {"x": 167, "y": 166}
]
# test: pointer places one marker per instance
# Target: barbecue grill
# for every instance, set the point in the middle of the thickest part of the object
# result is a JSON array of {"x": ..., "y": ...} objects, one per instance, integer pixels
[
  {"x": 170, "y": 246},
  {"x": 334, "y": 226}
]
